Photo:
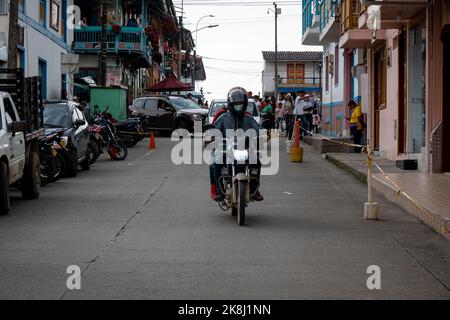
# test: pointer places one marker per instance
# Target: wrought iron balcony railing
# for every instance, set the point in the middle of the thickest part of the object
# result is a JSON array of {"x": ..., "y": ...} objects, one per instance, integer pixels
[{"x": 127, "y": 40}]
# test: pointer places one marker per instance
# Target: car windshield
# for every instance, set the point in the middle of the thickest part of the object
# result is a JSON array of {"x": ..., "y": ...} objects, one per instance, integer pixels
[
  {"x": 216, "y": 106},
  {"x": 181, "y": 103},
  {"x": 56, "y": 116}
]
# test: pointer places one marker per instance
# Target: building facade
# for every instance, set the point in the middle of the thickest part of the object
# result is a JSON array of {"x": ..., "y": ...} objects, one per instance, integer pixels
[
  {"x": 405, "y": 76},
  {"x": 296, "y": 71},
  {"x": 43, "y": 40},
  {"x": 321, "y": 27}
]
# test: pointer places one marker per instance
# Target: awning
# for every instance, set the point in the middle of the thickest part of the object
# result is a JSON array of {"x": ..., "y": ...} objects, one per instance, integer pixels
[{"x": 170, "y": 84}]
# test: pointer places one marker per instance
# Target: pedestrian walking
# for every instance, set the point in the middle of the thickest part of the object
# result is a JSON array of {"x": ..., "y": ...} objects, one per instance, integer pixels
[
  {"x": 288, "y": 107},
  {"x": 316, "y": 121},
  {"x": 279, "y": 114},
  {"x": 299, "y": 112},
  {"x": 357, "y": 124}
]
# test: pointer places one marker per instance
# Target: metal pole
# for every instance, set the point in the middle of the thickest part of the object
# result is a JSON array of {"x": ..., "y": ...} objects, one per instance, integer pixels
[
  {"x": 180, "y": 40},
  {"x": 13, "y": 33},
  {"x": 194, "y": 71},
  {"x": 276, "y": 50},
  {"x": 104, "y": 44},
  {"x": 370, "y": 208},
  {"x": 180, "y": 44}
]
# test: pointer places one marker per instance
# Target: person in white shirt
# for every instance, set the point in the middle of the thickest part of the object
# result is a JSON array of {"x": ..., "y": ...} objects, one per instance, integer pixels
[{"x": 299, "y": 112}]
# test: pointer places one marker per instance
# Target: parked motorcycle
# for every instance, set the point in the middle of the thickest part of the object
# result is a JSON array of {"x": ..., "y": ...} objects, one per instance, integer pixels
[
  {"x": 52, "y": 162},
  {"x": 239, "y": 182},
  {"x": 131, "y": 131},
  {"x": 115, "y": 146}
]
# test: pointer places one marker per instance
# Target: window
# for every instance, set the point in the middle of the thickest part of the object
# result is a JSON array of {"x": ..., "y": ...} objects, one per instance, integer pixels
[
  {"x": 295, "y": 73},
  {"x": 3, "y": 7},
  {"x": 43, "y": 12},
  {"x": 20, "y": 58},
  {"x": 139, "y": 104},
  {"x": 9, "y": 110},
  {"x": 55, "y": 15},
  {"x": 22, "y": 6},
  {"x": 150, "y": 105},
  {"x": 163, "y": 106},
  {"x": 326, "y": 75},
  {"x": 336, "y": 66},
  {"x": 42, "y": 72}
]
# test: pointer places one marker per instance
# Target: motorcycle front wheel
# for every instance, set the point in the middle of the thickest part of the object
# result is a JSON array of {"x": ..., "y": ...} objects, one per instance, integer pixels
[
  {"x": 242, "y": 203},
  {"x": 117, "y": 150}
]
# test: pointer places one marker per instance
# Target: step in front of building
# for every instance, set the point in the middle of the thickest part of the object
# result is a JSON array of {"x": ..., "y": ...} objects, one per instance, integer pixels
[{"x": 438, "y": 222}]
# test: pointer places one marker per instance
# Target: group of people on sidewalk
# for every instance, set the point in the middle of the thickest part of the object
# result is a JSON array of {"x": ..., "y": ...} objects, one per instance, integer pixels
[{"x": 287, "y": 110}]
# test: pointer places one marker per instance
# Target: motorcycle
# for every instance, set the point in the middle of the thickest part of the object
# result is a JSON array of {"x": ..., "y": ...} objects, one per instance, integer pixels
[
  {"x": 51, "y": 160},
  {"x": 130, "y": 131},
  {"x": 238, "y": 183},
  {"x": 115, "y": 147}
]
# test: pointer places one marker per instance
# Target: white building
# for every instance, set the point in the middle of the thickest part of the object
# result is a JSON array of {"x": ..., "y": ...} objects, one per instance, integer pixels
[
  {"x": 43, "y": 39},
  {"x": 297, "y": 70}
]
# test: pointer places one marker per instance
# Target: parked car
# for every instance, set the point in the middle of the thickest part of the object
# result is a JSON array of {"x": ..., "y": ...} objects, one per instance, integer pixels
[
  {"x": 219, "y": 104},
  {"x": 167, "y": 113},
  {"x": 64, "y": 115}
]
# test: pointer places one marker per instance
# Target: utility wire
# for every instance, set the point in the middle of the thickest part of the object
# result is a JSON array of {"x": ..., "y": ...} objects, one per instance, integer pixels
[{"x": 230, "y": 60}]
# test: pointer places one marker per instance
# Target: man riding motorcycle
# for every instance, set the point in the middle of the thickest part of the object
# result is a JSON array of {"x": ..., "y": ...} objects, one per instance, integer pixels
[{"x": 235, "y": 118}]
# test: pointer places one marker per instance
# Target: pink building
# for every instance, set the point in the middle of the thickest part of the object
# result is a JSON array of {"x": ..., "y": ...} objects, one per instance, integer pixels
[{"x": 405, "y": 75}]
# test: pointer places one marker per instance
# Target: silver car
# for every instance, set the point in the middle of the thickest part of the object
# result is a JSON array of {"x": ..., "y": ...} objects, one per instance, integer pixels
[{"x": 217, "y": 105}]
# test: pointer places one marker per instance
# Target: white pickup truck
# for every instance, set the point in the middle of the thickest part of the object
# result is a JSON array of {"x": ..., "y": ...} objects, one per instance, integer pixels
[{"x": 20, "y": 129}]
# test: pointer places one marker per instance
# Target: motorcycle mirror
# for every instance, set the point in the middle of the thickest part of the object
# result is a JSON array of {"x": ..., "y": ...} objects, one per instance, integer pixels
[{"x": 79, "y": 123}]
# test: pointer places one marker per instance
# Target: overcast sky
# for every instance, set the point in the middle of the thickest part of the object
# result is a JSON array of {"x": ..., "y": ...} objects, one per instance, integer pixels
[{"x": 243, "y": 32}]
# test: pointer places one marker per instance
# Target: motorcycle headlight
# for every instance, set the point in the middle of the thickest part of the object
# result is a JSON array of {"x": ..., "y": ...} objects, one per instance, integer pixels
[
  {"x": 240, "y": 155},
  {"x": 197, "y": 117}
]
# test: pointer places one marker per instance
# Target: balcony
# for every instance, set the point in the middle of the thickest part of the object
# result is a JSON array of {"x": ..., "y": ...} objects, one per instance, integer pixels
[
  {"x": 129, "y": 42},
  {"x": 391, "y": 14},
  {"x": 329, "y": 21},
  {"x": 351, "y": 35},
  {"x": 310, "y": 22},
  {"x": 302, "y": 83}
]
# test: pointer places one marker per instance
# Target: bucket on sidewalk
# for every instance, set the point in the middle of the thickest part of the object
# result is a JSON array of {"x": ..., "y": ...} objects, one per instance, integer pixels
[{"x": 296, "y": 154}]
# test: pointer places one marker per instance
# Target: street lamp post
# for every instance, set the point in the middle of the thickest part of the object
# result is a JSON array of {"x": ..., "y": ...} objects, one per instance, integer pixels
[
  {"x": 277, "y": 11},
  {"x": 194, "y": 73}
]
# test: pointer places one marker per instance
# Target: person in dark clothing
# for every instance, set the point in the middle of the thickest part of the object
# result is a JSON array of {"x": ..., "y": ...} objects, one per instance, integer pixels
[{"x": 235, "y": 118}]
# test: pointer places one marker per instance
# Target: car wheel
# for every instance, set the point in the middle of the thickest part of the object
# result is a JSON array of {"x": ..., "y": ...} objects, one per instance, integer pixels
[
  {"x": 183, "y": 125},
  {"x": 30, "y": 184},
  {"x": 4, "y": 189}
]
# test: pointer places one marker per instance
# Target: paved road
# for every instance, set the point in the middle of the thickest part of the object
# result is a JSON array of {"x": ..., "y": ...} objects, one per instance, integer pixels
[{"x": 146, "y": 229}]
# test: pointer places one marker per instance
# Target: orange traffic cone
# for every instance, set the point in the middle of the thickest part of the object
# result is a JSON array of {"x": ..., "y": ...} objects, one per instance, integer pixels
[{"x": 152, "y": 144}]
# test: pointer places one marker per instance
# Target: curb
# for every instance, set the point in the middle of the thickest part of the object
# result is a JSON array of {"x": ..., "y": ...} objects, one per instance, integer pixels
[{"x": 357, "y": 174}]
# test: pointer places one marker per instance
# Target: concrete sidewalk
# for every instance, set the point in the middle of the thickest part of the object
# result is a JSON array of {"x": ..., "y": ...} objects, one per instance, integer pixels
[{"x": 429, "y": 200}]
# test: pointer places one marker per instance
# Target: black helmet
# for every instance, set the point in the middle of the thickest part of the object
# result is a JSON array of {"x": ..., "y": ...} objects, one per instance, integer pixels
[{"x": 237, "y": 101}]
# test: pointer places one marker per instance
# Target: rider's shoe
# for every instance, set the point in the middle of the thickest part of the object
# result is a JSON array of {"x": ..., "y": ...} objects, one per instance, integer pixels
[{"x": 258, "y": 197}]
